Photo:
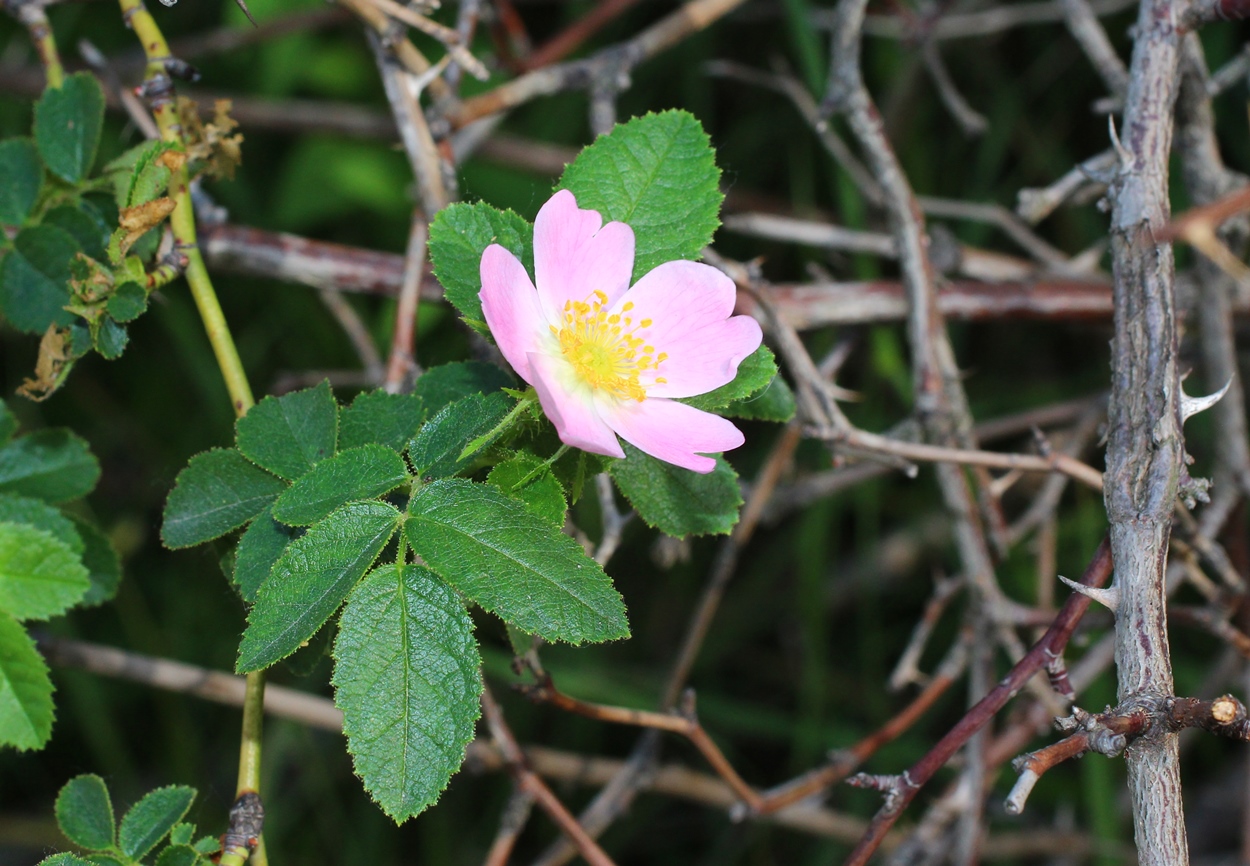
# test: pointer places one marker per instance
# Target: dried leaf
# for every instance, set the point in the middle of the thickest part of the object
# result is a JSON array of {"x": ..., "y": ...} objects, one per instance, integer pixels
[
  {"x": 211, "y": 143},
  {"x": 137, "y": 221},
  {"x": 50, "y": 367}
]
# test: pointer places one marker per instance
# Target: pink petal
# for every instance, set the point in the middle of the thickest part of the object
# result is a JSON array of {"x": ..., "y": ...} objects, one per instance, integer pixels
[
  {"x": 510, "y": 305},
  {"x": 702, "y": 360},
  {"x": 689, "y": 305},
  {"x": 574, "y": 257},
  {"x": 570, "y": 405},
  {"x": 671, "y": 431}
]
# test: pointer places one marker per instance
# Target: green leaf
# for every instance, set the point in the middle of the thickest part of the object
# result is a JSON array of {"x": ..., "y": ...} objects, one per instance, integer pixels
[
  {"x": 106, "y": 860},
  {"x": 407, "y": 679},
  {"x": 67, "y": 859},
  {"x": 128, "y": 302},
  {"x": 774, "y": 403},
  {"x": 365, "y": 472},
  {"x": 513, "y": 562},
  {"x": 40, "y": 576},
  {"x": 111, "y": 339},
  {"x": 676, "y": 501},
  {"x": 754, "y": 373},
  {"x": 288, "y": 434},
  {"x": 104, "y": 567},
  {"x": 23, "y": 175},
  {"x": 529, "y": 479},
  {"x": 218, "y": 492},
  {"x": 181, "y": 834},
  {"x": 178, "y": 855},
  {"x": 8, "y": 423},
  {"x": 85, "y": 813},
  {"x": 136, "y": 176},
  {"x": 658, "y": 174},
  {"x": 83, "y": 225},
  {"x": 207, "y": 845},
  {"x": 259, "y": 548},
  {"x": 34, "y": 279},
  {"x": 36, "y": 513},
  {"x": 25, "y": 690},
  {"x": 52, "y": 465},
  {"x": 458, "y": 236},
  {"x": 435, "y": 451},
  {"x": 67, "y": 125},
  {"x": 376, "y": 417},
  {"x": 440, "y": 386},
  {"x": 147, "y": 822},
  {"x": 311, "y": 579}
]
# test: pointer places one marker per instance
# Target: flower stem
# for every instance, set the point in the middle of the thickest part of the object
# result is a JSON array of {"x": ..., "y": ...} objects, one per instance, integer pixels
[
  {"x": 528, "y": 399},
  {"x": 158, "y": 87}
]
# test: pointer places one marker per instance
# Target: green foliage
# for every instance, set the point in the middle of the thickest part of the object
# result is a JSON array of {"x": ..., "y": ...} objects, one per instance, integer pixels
[
  {"x": 40, "y": 576},
  {"x": 34, "y": 279},
  {"x": 459, "y": 235},
  {"x": 68, "y": 120},
  {"x": 23, "y": 175},
  {"x": 365, "y": 472},
  {"x": 218, "y": 492},
  {"x": 25, "y": 690},
  {"x": 83, "y": 224},
  {"x": 447, "y": 383},
  {"x": 676, "y": 501},
  {"x": 259, "y": 548},
  {"x": 755, "y": 373},
  {"x": 66, "y": 859},
  {"x": 658, "y": 174},
  {"x": 409, "y": 704},
  {"x": 128, "y": 302},
  {"x": 52, "y": 465},
  {"x": 84, "y": 812},
  {"x": 311, "y": 579},
  {"x": 104, "y": 567},
  {"x": 48, "y": 562},
  {"x": 150, "y": 820},
  {"x": 435, "y": 450},
  {"x": 376, "y": 417},
  {"x": 529, "y": 479},
  {"x": 288, "y": 434},
  {"x": 508, "y": 559}
]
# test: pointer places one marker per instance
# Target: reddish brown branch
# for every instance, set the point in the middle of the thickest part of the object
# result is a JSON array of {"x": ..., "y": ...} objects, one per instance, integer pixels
[
  {"x": 570, "y": 39},
  {"x": 685, "y": 722},
  {"x": 1051, "y": 643},
  {"x": 529, "y": 782}
]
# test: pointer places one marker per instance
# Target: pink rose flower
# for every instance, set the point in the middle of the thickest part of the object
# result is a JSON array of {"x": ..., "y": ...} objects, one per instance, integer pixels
[{"x": 607, "y": 359}]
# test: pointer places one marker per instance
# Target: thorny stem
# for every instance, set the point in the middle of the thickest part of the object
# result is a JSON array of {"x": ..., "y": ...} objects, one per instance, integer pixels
[
  {"x": 30, "y": 13},
  {"x": 159, "y": 89}
]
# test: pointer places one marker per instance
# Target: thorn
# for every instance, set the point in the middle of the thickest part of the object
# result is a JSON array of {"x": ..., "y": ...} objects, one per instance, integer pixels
[
  {"x": 1108, "y": 598},
  {"x": 1122, "y": 153},
  {"x": 243, "y": 6},
  {"x": 1191, "y": 406}
]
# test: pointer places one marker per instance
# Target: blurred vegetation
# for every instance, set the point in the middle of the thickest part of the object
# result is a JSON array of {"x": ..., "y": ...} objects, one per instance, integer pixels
[{"x": 814, "y": 620}]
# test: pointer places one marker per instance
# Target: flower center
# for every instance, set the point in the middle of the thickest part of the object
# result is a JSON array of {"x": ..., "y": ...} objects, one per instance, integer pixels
[{"x": 603, "y": 348}]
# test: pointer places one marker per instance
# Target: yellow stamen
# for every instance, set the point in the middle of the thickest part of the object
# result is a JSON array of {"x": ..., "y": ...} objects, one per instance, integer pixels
[{"x": 603, "y": 348}]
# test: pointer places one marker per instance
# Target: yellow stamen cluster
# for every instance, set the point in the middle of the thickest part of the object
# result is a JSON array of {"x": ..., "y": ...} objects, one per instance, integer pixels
[{"x": 603, "y": 349}]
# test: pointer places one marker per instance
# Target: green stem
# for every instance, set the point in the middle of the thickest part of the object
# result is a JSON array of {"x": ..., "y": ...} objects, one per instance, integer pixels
[
  {"x": 182, "y": 222},
  {"x": 31, "y": 14},
  {"x": 528, "y": 399}
]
